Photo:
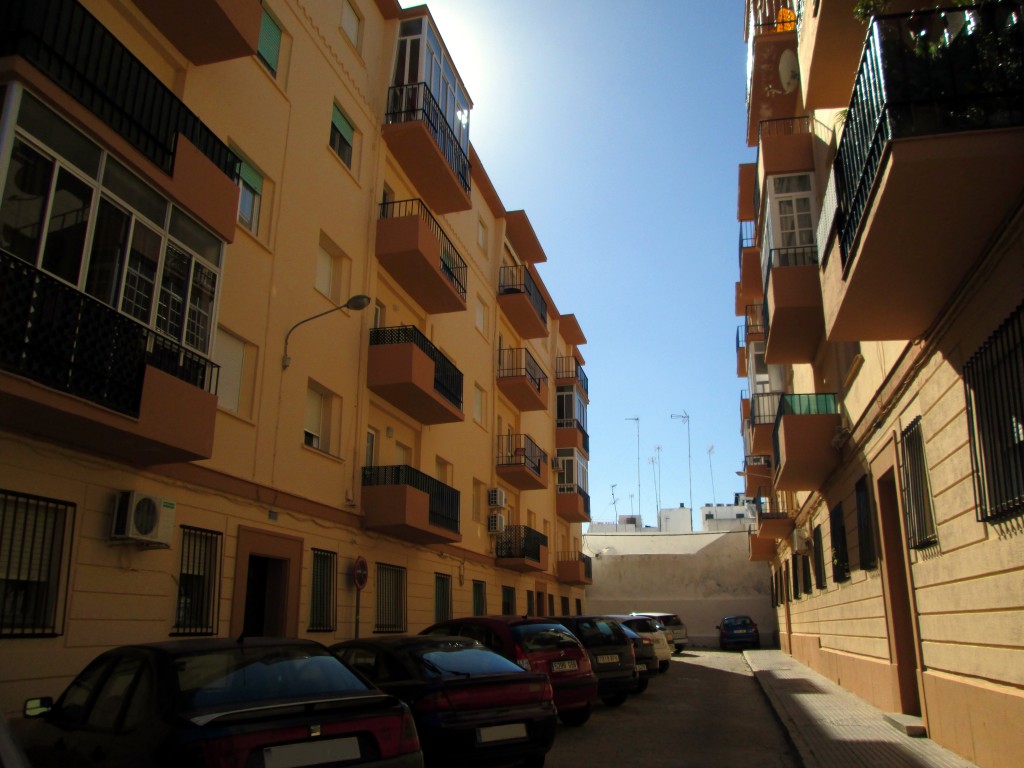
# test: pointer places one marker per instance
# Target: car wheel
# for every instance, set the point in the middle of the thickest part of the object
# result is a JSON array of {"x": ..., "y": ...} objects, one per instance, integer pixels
[
  {"x": 616, "y": 700},
  {"x": 663, "y": 666},
  {"x": 641, "y": 685},
  {"x": 575, "y": 717}
]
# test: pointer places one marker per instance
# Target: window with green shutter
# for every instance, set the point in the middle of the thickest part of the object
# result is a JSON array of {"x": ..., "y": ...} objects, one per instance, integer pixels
[
  {"x": 269, "y": 48},
  {"x": 342, "y": 136},
  {"x": 250, "y": 183}
]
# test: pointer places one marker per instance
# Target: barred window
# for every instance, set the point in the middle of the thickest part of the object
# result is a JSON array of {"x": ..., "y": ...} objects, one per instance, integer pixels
[
  {"x": 198, "y": 582},
  {"x": 529, "y": 604},
  {"x": 805, "y": 574},
  {"x": 323, "y": 610},
  {"x": 795, "y": 567},
  {"x": 479, "y": 598},
  {"x": 390, "y": 599},
  {"x": 917, "y": 499},
  {"x": 840, "y": 555},
  {"x": 442, "y": 597},
  {"x": 32, "y": 543},
  {"x": 994, "y": 384},
  {"x": 508, "y": 600},
  {"x": 565, "y": 605},
  {"x": 865, "y": 526},
  {"x": 819, "y": 560}
]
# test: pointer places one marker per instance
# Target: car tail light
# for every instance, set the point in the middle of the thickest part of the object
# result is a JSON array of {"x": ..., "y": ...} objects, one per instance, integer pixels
[
  {"x": 437, "y": 701},
  {"x": 547, "y": 693},
  {"x": 521, "y": 658},
  {"x": 646, "y": 641},
  {"x": 409, "y": 739},
  {"x": 583, "y": 662}
]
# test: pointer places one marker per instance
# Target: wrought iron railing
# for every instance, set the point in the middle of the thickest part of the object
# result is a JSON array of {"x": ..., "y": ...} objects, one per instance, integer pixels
[
  {"x": 447, "y": 378},
  {"x": 62, "y": 338},
  {"x": 517, "y": 361},
  {"x": 570, "y": 488},
  {"x": 793, "y": 256},
  {"x": 755, "y": 320},
  {"x": 574, "y": 423},
  {"x": 517, "y": 279},
  {"x": 72, "y": 48},
  {"x": 741, "y": 337},
  {"x": 568, "y": 367},
  {"x": 766, "y": 17},
  {"x": 520, "y": 451},
  {"x": 415, "y": 102},
  {"x": 801, "y": 405},
  {"x": 578, "y": 557},
  {"x": 926, "y": 73},
  {"x": 443, "y": 504},
  {"x": 520, "y": 541},
  {"x": 452, "y": 265},
  {"x": 748, "y": 237},
  {"x": 763, "y": 407}
]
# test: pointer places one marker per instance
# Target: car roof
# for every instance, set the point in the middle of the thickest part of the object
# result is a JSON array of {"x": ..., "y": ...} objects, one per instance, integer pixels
[
  {"x": 655, "y": 614},
  {"x": 398, "y": 642},
  {"x": 207, "y": 644}
]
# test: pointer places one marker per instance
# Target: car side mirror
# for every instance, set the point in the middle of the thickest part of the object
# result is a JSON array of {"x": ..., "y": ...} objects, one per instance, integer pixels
[{"x": 38, "y": 707}]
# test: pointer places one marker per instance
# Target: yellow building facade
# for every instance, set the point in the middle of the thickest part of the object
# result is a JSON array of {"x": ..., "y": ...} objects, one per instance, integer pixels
[
  {"x": 881, "y": 291},
  {"x": 276, "y": 358}
]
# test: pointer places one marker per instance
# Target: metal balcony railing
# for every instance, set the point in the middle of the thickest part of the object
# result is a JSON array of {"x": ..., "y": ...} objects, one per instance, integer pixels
[
  {"x": 520, "y": 541},
  {"x": 755, "y": 324},
  {"x": 926, "y": 73},
  {"x": 415, "y": 102},
  {"x": 763, "y": 407},
  {"x": 447, "y": 378},
  {"x": 748, "y": 237},
  {"x": 517, "y": 279},
  {"x": 62, "y": 338},
  {"x": 520, "y": 451},
  {"x": 574, "y": 423},
  {"x": 574, "y": 557},
  {"x": 65, "y": 42},
  {"x": 517, "y": 361},
  {"x": 443, "y": 502},
  {"x": 766, "y": 17},
  {"x": 452, "y": 265},
  {"x": 568, "y": 367},
  {"x": 800, "y": 405},
  {"x": 793, "y": 256}
]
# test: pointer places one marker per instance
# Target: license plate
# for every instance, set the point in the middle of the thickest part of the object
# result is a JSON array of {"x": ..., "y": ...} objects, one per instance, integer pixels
[
  {"x": 501, "y": 733},
  {"x": 641, "y": 668},
  {"x": 564, "y": 666},
  {"x": 608, "y": 658},
  {"x": 311, "y": 753}
]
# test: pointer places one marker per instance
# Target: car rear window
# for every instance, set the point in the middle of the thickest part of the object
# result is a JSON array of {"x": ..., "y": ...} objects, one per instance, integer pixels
[
  {"x": 737, "y": 621},
  {"x": 459, "y": 662},
  {"x": 593, "y": 632},
  {"x": 543, "y": 637},
  {"x": 643, "y": 625}
]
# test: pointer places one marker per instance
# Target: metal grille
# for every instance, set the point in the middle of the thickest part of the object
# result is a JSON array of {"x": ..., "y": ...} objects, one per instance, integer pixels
[
  {"x": 443, "y": 500},
  {"x": 323, "y": 611},
  {"x": 390, "y": 599},
  {"x": 517, "y": 279},
  {"x": 840, "y": 556},
  {"x": 508, "y": 601},
  {"x": 479, "y": 598},
  {"x": 865, "y": 527},
  {"x": 33, "y": 532},
  {"x": 442, "y": 597},
  {"x": 520, "y": 450},
  {"x": 452, "y": 265},
  {"x": 447, "y": 378},
  {"x": 819, "y": 559},
  {"x": 520, "y": 541},
  {"x": 917, "y": 497},
  {"x": 994, "y": 385},
  {"x": 198, "y": 582},
  {"x": 517, "y": 361},
  {"x": 414, "y": 102}
]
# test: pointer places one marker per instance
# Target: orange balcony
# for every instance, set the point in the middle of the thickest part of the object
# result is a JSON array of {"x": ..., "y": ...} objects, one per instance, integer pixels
[
  {"x": 405, "y": 503},
  {"x": 207, "y": 31},
  {"x": 741, "y": 351},
  {"x": 763, "y": 407},
  {"x": 773, "y": 79},
  {"x": 745, "y": 192},
  {"x": 757, "y": 474},
  {"x": 796, "y": 325},
  {"x": 744, "y": 409},
  {"x": 521, "y": 463},
  {"x": 413, "y": 375},
  {"x": 784, "y": 145},
  {"x": 755, "y": 325},
  {"x": 572, "y": 503},
  {"x": 761, "y": 550},
  {"x": 569, "y": 433},
  {"x": 774, "y": 522},
  {"x": 521, "y": 379},
  {"x": 569, "y": 372},
  {"x": 414, "y": 249},
  {"x": 520, "y": 548},
  {"x": 574, "y": 568},
  {"x": 805, "y": 428},
  {"x": 750, "y": 289},
  {"x": 521, "y": 300}
]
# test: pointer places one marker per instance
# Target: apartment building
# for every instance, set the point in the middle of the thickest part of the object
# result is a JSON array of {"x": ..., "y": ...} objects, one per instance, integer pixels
[
  {"x": 881, "y": 291},
  {"x": 275, "y": 359}
]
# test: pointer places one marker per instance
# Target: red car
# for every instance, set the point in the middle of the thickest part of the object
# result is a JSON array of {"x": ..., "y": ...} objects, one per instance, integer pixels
[{"x": 538, "y": 645}]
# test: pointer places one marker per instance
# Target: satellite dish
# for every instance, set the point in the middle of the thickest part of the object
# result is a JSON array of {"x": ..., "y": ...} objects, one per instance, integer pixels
[{"x": 789, "y": 71}]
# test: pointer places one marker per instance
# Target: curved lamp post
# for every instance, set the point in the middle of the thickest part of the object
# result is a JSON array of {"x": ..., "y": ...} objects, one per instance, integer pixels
[{"x": 357, "y": 302}]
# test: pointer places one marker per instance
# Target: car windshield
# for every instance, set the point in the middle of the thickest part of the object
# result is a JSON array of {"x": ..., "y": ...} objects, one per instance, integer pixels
[
  {"x": 600, "y": 632},
  {"x": 737, "y": 621},
  {"x": 543, "y": 637},
  {"x": 240, "y": 675},
  {"x": 462, "y": 661}
]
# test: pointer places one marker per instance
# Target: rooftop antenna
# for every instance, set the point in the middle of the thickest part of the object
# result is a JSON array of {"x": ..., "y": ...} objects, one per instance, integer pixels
[
  {"x": 714, "y": 501},
  {"x": 638, "y": 496},
  {"x": 615, "y": 502}
]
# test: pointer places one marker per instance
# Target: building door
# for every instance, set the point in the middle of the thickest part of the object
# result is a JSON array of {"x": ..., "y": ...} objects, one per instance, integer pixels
[{"x": 265, "y": 601}]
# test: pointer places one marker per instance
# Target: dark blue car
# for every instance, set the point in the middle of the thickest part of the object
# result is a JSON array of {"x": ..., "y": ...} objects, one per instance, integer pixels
[{"x": 738, "y": 631}]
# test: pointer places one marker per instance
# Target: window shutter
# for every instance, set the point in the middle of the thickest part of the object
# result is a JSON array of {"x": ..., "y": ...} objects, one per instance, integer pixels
[
  {"x": 252, "y": 177},
  {"x": 343, "y": 126},
  {"x": 269, "y": 46}
]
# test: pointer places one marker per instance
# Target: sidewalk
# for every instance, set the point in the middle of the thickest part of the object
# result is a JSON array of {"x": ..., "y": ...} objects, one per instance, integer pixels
[{"x": 831, "y": 727}]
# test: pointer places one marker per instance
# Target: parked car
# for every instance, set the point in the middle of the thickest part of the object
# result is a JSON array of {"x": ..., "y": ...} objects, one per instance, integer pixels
[
  {"x": 611, "y": 655},
  {"x": 653, "y": 630},
  {"x": 539, "y": 645},
  {"x": 675, "y": 629},
  {"x": 218, "y": 702},
  {"x": 738, "y": 630},
  {"x": 646, "y": 659},
  {"x": 472, "y": 706}
]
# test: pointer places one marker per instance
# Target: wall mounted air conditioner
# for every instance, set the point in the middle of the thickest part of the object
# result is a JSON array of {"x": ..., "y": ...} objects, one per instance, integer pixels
[
  {"x": 495, "y": 522},
  {"x": 496, "y": 498},
  {"x": 142, "y": 519}
]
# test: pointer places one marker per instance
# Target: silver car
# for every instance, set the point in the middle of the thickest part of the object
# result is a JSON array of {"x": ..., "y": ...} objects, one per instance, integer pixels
[{"x": 675, "y": 630}]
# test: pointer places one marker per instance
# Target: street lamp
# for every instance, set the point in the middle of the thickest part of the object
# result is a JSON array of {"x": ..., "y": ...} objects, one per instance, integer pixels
[
  {"x": 689, "y": 464},
  {"x": 357, "y": 302}
]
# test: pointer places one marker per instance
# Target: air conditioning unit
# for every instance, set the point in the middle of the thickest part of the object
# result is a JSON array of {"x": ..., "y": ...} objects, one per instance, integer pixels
[
  {"x": 496, "y": 498},
  {"x": 143, "y": 519},
  {"x": 556, "y": 464},
  {"x": 495, "y": 522},
  {"x": 801, "y": 542}
]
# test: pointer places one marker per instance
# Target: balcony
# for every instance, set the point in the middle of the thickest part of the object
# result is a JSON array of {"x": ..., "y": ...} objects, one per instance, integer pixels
[
  {"x": 760, "y": 550},
  {"x": 774, "y": 523},
  {"x": 76, "y": 371},
  {"x": 744, "y": 410},
  {"x": 741, "y": 351},
  {"x": 426, "y": 147},
  {"x": 773, "y": 74},
  {"x": 805, "y": 427},
  {"x": 796, "y": 324},
  {"x": 521, "y": 300},
  {"x": 784, "y": 145},
  {"x": 522, "y": 463},
  {"x": 572, "y": 503},
  {"x": 757, "y": 474},
  {"x": 520, "y": 548},
  {"x": 405, "y": 503},
  {"x": 413, "y": 375},
  {"x": 569, "y": 371},
  {"x": 414, "y": 249},
  {"x": 65, "y": 43},
  {"x": 751, "y": 285},
  {"x": 763, "y": 407},
  {"x": 207, "y": 31},
  {"x": 521, "y": 379},
  {"x": 930, "y": 164},
  {"x": 574, "y": 568},
  {"x": 570, "y": 433},
  {"x": 755, "y": 325}
]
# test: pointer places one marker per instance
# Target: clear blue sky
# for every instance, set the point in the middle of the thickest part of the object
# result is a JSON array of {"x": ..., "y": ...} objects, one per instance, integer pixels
[{"x": 618, "y": 128}]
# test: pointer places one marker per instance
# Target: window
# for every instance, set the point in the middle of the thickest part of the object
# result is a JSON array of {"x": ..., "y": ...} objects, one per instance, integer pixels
[
  {"x": 917, "y": 500},
  {"x": 565, "y": 605},
  {"x": 323, "y": 613},
  {"x": 342, "y": 136},
  {"x": 805, "y": 573},
  {"x": 442, "y": 597},
  {"x": 481, "y": 234},
  {"x": 579, "y": 607},
  {"x": 32, "y": 544},
  {"x": 268, "y": 49},
  {"x": 796, "y": 576},
  {"x": 530, "y": 610},
  {"x": 551, "y": 605},
  {"x": 333, "y": 271},
  {"x": 840, "y": 557},
  {"x": 314, "y": 418},
  {"x": 198, "y": 582},
  {"x": 350, "y": 22},
  {"x": 793, "y": 224},
  {"x": 479, "y": 413},
  {"x": 390, "y": 598},
  {"x": 443, "y": 470},
  {"x": 481, "y": 315},
  {"x": 508, "y": 601},
  {"x": 370, "y": 459},
  {"x": 479, "y": 598},
  {"x": 250, "y": 183},
  {"x": 865, "y": 527},
  {"x": 323, "y": 419},
  {"x": 819, "y": 559},
  {"x": 478, "y": 501},
  {"x": 994, "y": 387},
  {"x": 379, "y": 314},
  {"x": 235, "y": 382}
]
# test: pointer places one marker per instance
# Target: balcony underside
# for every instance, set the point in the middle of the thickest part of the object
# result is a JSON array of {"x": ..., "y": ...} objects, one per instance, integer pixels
[
  {"x": 781, "y": 153},
  {"x": 936, "y": 204},
  {"x": 403, "y": 375},
  {"x": 741, "y": 362},
  {"x": 775, "y": 80},
  {"x": 428, "y": 169},
  {"x": 572, "y": 572},
  {"x": 761, "y": 550},
  {"x": 570, "y": 437},
  {"x": 525, "y": 564},
  {"x": 175, "y": 423},
  {"x": 403, "y": 512},
  {"x": 756, "y": 476},
  {"x": 521, "y": 312},
  {"x": 411, "y": 254},
  {"x": 207, "y": 31},
  {"x": 572, "y": 507},
  {"x": 751, "y": 288},
  {"x": 523, "y": 393},
  {"x": 772, "y": 528},
  {"x": 806, "y": 456},
  {"x": 523, "y": 476},
  {"x": 761, "y": 438},
  {"x": 796, "y": 324}
]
